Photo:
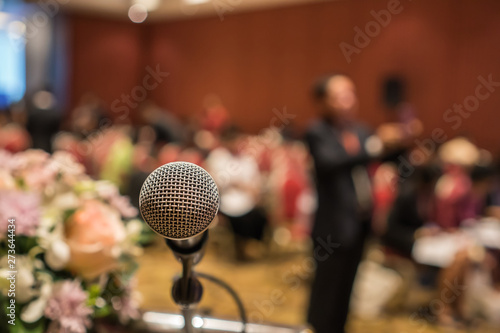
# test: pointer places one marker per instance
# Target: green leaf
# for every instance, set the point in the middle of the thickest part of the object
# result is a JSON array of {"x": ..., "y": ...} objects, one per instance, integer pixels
[
  {"x": 102, "y": 312},
  {"x": 67, "y": 214},
  {"x": 20, "y": 183},
  {"x": 21, "y": 327},
  {"x": 146, "y": 237},
  {"x": 24, "y": 244},
  {"x": 94, "y": 291}
]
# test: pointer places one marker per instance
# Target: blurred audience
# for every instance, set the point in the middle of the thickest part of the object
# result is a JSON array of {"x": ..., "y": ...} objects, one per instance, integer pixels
[
  {"x": 444, "y": 215},
  {"x": 167, "y": 127},
  {"x": 437, "y": 221}
]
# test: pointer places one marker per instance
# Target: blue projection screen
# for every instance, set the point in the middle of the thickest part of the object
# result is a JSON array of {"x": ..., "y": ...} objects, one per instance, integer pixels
[{"x": 12, "y": 68}]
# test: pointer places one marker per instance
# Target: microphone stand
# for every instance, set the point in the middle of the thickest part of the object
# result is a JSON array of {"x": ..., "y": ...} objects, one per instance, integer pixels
[{"x": 187, "y": 289}]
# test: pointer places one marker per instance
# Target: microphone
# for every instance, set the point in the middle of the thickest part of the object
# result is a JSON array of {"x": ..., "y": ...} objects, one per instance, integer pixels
[{"x": 178, "y": 201}]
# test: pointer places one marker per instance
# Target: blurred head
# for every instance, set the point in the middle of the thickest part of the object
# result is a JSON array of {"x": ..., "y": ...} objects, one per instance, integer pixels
[
  {"x": 87, "y": 116},
  {"x": 149, "y": 112},
  {"x": 231, "y": 138},
  {"x": 460, "y": 152},
  {"x": 336, "y": 95},
  {"x": 85, "y": 120},
  {"x": 44, "y": 99}
]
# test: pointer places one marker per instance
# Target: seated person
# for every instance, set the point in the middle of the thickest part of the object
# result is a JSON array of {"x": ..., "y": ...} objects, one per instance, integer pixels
[
  {"x": 239, "y": 181},
  {"x": 413, "y": 208}
]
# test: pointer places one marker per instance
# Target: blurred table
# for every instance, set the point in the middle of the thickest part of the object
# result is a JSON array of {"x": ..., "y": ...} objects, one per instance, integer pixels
[{"x": 439, "y": 250}]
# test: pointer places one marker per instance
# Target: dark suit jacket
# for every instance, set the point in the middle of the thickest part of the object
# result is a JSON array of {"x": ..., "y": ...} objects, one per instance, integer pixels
[{"x": 337, "y": 215}]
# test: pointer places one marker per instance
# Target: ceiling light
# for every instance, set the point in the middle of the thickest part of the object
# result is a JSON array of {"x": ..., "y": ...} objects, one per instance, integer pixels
[
  {"x": 138, "y": 13},
  {"x": 150, "y": 5},
  {"x": 195, "y": 2}
]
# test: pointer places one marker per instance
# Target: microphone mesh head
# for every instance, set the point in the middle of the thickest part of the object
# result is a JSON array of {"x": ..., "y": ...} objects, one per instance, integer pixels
[{"x": 179, "y": 200}]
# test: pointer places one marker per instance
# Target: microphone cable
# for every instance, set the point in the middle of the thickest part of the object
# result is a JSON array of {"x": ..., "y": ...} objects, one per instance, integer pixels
[{"x": 234, "y": 295}]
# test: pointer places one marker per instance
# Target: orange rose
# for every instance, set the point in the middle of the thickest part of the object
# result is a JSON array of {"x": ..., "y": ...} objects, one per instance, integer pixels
[{"x": 93, "y": 234}]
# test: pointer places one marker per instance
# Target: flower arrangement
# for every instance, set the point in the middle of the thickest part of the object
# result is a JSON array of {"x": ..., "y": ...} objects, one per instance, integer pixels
[{"x": 72, "y": 248}]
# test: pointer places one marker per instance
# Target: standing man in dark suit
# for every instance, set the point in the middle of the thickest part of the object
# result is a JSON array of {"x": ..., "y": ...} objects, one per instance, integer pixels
[{"x": 340, "y": 148}]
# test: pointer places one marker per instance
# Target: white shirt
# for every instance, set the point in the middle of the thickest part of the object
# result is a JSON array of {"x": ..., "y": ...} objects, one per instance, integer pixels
[{"x": 238, "y": 179}]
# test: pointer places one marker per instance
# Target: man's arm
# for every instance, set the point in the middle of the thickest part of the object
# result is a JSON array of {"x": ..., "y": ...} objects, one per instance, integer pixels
[{"x": 328, "y": 158}]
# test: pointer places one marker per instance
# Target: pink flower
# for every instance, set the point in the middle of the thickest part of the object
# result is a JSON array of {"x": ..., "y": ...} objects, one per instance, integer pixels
[
  {"x": 66, "y": 164},
  {"x": 31, "y": 167},
  {"x": 67, "y": 309},
  {"x": 122, "y": 204},
  {"x": 7, "y": 160},
  {"x": 24, "y": 207},
  {"x": 30, "y": 158},
  {"x": 127, "y": 306},
  {"x": 92, "y": 233},
  {"x": 37, "y": 177},
  {"x": 109, "y": 192}
]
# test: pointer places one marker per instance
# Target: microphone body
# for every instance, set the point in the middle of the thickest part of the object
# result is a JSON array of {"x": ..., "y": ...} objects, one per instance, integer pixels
[{"x": 187, "y": 290}]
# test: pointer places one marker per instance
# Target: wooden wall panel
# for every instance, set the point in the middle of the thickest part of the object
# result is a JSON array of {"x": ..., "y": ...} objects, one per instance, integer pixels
[{"x": 258, "y": 61}]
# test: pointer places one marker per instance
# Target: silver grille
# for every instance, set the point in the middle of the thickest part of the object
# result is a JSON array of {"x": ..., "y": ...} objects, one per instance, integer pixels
[{"x": 179, "y": 200}]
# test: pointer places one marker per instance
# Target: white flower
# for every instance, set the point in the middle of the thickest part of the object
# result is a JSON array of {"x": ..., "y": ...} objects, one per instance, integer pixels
[
  {"x": 65, "y": 162},
  {"x": 34, "y": 310},
  {"x": 57, "y": 255},
  {"x": 66, "y": 201},
  {"x": 129, "y": 245},
  {"x": 51, "y": 228},
  {"x": 105, "y": 188},
  {"x": 7, "y": 182},
  {"x": 134, "y": 228},
  {"x": 25, "y": 279}
]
